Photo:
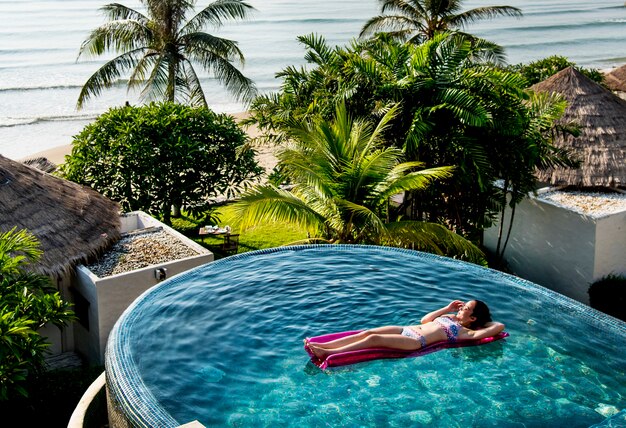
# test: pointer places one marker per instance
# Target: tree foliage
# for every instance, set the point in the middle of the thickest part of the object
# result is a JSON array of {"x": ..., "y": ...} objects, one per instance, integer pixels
[
  {"x": 540, "y": 70},
  {"x": 344, "y": 178},
  {"x": 27, "y": 302},
  {"x": 162, "y": 155},
  {"x": 458, "y": 107},
  {"x": 159, "y": 50},
  {"x": 419, "y": 20}
]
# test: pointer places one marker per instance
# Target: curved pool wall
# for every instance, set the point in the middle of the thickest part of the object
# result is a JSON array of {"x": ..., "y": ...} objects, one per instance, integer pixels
[{"x": 541, "y": 360}]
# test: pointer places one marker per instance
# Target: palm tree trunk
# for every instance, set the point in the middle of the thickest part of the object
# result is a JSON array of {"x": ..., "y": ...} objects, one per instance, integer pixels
[
  {"x": 171, "y": 82},
  {"x": 508, "y": 234},
  {"x": 505, "y": 186}
]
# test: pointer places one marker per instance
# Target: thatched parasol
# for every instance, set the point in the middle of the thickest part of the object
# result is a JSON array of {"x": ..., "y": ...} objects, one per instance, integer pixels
[
  {"x": 602, "y": 143},
  {"x": 616, "y": 79},
  {"x": 72, "y": 222}
]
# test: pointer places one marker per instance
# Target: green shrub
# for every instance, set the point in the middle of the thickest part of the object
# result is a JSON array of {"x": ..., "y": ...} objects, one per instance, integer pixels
[
  {"x": 540, "y": 70},
  {"x": 164, "y": 155},
  {"x": 609, "y": 296},
  {"x": 27, "y": 302}
]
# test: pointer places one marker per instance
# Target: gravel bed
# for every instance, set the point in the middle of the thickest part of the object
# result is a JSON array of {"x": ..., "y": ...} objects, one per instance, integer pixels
[
  {"x": 138, "y": 250},
  {"x": 593, "y": 204}
]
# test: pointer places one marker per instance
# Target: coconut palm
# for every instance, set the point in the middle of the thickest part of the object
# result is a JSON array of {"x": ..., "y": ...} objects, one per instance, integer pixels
[
  {"x": 419, "y": 20},
  {"x": 343, "y": 181},
  {"x": 160, "y": 48}
]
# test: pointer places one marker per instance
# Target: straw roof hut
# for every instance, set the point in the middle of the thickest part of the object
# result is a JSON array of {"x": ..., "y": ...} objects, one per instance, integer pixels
[
  {"x": 71, "y": 222},
  {"x": 616, "y": 79},
  {"x": 602, "y": 143}
]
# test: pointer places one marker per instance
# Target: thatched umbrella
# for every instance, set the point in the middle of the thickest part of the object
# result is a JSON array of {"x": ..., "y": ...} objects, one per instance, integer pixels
[
  {"x": 602, "y": 143},
  {"x": 616, "y": 79},
  {"x": 72, "y": 222}
]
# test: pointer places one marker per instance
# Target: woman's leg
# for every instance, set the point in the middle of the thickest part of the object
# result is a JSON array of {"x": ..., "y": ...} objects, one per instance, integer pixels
[
  {"x": 376, "y": 340},
  {"x": 343, "y": 341}
]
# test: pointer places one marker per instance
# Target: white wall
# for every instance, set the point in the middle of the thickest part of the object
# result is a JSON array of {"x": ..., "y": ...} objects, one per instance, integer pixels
[
  {"x": 108, "y": 297},
  {"x": 561, "y": 249},
  {"x": 610, "y": 254}
]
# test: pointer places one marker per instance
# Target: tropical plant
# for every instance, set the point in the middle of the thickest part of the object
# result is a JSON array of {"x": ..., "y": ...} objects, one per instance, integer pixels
[
  {"x": 160, "y": 48},
  {"x": 540, "y": 70},
  {"x": 343, "y": 180},
  {"x": 459, "y": 106},
  {"x": 525, "y": 147},
  {"x": 419, "y": 20},
  {"x": 162, "y": 155},
  {"x": 27, "y": 302}
]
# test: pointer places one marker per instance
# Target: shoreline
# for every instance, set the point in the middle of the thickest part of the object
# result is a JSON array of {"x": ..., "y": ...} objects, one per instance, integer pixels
[{"x": 265, "y": 154}]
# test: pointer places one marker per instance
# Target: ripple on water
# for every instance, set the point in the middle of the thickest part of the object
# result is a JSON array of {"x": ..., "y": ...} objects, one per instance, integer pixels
[{"x": 224, "y": 346}]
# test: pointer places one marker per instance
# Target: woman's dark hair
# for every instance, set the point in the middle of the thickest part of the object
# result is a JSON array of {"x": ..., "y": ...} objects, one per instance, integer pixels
[{"x": 482, "y": 314}]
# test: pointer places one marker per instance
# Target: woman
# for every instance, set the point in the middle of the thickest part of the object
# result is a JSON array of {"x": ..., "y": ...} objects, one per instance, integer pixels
[{"x": 472, "y": 321}]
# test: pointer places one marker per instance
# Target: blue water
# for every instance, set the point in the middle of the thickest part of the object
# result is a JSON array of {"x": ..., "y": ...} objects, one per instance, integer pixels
[
  {"x": 223, "y": 345},
  {"x": 39, "y": 42}
]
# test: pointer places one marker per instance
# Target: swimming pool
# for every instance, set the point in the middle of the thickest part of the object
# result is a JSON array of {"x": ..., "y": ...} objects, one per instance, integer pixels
[{"x": 222, "y": 344}]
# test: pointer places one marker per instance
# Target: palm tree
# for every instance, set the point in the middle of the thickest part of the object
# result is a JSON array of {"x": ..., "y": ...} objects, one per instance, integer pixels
[
  {"x": 530, "y": 149},
  {"x": 419, "y": 20},
  {"x": 161, "y": 47},
  {"x": 343, "y": 181}
]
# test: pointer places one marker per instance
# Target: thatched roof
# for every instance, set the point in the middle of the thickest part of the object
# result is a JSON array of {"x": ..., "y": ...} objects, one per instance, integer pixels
[
  {"x": 72, "y": 222},
  {"x": 616, "y": 79},
  {"x": 602, "y": 143},
  {"x": 41, "y": 163}
]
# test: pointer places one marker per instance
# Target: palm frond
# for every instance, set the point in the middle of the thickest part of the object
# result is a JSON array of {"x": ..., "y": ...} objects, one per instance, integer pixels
[
  {"x": 106, "y": 75},
  {"x": 197, "y": 43},
  {"x": 369, "y": 224},
  {"x": 397, "y": 26},
  {"x": 480, "y": 13},
  {"x": 17, "y": 247},
  {"x": 116, "y": 11},
  {"x": 157, "y": 85},
  {"x": 116, "y": 36},
  {"x": 434, "y": 238},
  {"x": 417, "y": 180},
  {"x": 317, "y": 50},
  {"x": 216, "y": 13},
  {"x": 240, "y": 86},
  {"x": 193, "y": 88},
  {"x": 270, "y": 204}
]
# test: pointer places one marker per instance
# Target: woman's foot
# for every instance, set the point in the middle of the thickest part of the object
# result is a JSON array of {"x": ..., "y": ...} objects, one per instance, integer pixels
[{"x": 320, "y": 353}]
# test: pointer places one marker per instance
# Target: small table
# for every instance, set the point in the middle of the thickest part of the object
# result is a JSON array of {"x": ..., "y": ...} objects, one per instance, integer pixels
[
  {"x": 204, "y": 231},
  {"x": 211, "y": 231}
]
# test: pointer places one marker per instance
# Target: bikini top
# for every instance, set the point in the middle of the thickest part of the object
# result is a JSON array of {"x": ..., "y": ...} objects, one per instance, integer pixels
[{"x": 449, "y": 326}]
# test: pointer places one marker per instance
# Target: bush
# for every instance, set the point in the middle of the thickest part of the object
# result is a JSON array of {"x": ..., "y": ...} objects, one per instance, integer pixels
[
  {"x": 27, "y": 302},
  {"x": 609, "y": 296},
  {"x": 540, "y": 70},
  {"x": 159, "y": 156}
]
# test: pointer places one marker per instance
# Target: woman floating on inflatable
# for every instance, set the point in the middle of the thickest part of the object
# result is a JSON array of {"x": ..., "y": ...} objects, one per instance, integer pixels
[{"x": 471, "y": 325}]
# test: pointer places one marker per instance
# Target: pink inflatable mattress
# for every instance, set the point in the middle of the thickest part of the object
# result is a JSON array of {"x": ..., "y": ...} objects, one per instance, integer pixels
[{"x": 352, "y": 357}]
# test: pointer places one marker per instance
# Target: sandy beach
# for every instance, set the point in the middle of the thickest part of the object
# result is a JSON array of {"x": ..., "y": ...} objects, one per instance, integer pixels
[{"x": 265, "y": 154}]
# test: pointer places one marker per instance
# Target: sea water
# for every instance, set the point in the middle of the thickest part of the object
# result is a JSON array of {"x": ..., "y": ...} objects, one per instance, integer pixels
[{"x": 40, "y": 78}]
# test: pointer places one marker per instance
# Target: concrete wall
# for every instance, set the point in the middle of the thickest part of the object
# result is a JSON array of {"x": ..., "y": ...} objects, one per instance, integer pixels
[
  {"x": 108, "y": 297},
  {"x": 61, "y": 339},
  {"x": 610, "y": 254},
  {"x": 561, "y": 249}
]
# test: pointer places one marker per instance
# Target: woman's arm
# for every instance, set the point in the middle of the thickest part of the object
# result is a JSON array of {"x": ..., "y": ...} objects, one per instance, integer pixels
[
  {"x": 452, "y": 306},
  {"x": 490, "y": 329}
]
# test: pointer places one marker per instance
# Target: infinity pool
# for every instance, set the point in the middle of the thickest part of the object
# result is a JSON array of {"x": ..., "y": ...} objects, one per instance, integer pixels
[{"x": 222, "y": 344}]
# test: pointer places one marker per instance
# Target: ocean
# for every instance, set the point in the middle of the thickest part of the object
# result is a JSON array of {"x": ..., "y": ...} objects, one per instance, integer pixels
[{"x": 40, "y": 77}]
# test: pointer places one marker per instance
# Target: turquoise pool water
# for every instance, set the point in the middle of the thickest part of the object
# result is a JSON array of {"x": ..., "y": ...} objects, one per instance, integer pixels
[{"x": 222, "y": 344}]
